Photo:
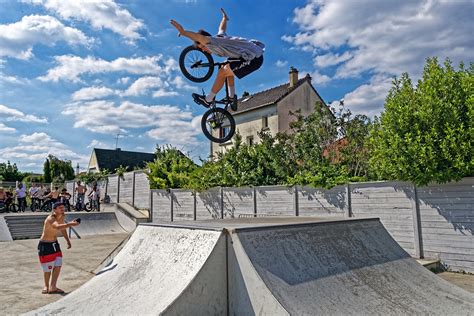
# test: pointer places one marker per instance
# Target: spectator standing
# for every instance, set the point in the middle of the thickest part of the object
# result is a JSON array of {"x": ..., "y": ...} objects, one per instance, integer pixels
[
  {"x": 81, "y": 193},
  {"x": 94, "y": 196},
  {"x": 21, "y": 197},
  {"x": 64, "y": 197},
  {"x": 33, "y": 192}
]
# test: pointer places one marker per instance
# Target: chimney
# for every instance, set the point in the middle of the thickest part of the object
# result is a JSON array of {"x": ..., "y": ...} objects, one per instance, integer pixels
[{"x": 293, "y": 76}]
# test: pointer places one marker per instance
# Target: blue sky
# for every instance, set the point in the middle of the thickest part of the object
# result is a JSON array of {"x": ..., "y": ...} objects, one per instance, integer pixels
[{"x": 73, "y": 74}]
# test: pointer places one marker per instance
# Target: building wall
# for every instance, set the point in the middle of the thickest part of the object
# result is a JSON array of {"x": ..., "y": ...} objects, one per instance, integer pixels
[
  {"x": 304, "y": 98},
  {"x": 249, "y": 124},
  {"x": 93, "y": 167}
]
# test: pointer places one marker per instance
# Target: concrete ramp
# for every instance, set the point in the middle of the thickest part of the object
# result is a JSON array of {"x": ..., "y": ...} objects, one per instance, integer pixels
[
  {"x": 96, "y": 223},
  {"x": 264, "y": 266},
  {"x": 161, "y": 270},
  {"x": 349, "y": 267}
]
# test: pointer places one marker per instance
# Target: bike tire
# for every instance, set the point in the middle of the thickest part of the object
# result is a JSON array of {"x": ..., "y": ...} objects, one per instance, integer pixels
[
  {"x": 191, "y": 56},
  {"x": 46, "y": 207},
  {"x": 13, "y": 208},
  {"x": 219, "y": 115},
  {"x": 88, "y": 207}
]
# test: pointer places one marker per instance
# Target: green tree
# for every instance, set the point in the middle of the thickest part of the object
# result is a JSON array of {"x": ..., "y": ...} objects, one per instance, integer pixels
[
  {"x": 170, "y": 169},
  {"x": 47, "y": 171},
  {"x": 93, "y": 177},
  {"x": 57, "y": 170},
  {"x": 10, "y": 172},
  {"x": 425, "y": 133}
]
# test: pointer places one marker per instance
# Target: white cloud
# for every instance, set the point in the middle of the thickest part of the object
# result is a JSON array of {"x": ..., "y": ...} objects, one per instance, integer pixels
[
  {"x": 319, "y": 78},
  {"x": 34, "y": 148},
  {"x": 177, "y": 132},
  {"x": 6, "y": 129},
  {"x": 281, "y": 63},
  {"x": 179, "y": 83},
  {"x": 164, "y": 93},
  {"x": 92, "y": 93},
  {"x": 97, "y": 144},
  {"x": 331, "y": 59},
  {"x": 12, "y": 79},
  {"x": 36, "y": 137},
  {"x": 17, "y": 39},
  {"x": 369, "y": 98},
  {"x": 11, "y": 114},
  {"x": 69, "y": 67},
  {"x": 100, "y": 14},
  {"x": 123, "y": 80},
  {"x": 143, "y": 85},
  {"x": 382, "y": 39},
  {"x": 108, "y": 118}
]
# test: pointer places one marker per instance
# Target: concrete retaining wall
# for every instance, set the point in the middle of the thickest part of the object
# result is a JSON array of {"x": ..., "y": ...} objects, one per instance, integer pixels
[
  {"x": 112, "y": 188},
  {"x": 126, "y": 188},
  {"x": 393, "y": 203},
  {"x": 447, "y": 223},
  {"x": 436, "y": 221},
  {"x": 160, "y": 206},
  {"x": 142, "y": 191}
]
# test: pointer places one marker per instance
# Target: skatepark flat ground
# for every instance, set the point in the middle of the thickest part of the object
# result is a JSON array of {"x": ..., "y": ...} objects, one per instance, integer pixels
[{"x": 22, "y": 278}]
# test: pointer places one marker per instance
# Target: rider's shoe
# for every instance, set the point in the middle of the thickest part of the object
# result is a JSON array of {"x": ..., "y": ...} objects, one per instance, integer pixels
[
  {"x": 201, "y": 99},
  {"x": 233, "y": 105}
]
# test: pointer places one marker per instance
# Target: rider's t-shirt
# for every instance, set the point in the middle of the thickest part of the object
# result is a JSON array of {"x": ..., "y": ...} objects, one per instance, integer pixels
[
  {"x": 235, "y": 47},
  {"x": 34, "y": 191}
]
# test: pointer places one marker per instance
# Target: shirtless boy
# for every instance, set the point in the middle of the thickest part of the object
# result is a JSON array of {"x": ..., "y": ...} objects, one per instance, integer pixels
[{"x": 49, "y": 252}]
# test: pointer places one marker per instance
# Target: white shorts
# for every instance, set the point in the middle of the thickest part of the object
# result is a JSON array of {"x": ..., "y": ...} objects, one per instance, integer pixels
[{"x": 49, "y": 266}]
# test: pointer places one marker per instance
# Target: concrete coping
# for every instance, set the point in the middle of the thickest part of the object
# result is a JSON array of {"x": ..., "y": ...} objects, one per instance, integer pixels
[{"x": 258, "y": 223}]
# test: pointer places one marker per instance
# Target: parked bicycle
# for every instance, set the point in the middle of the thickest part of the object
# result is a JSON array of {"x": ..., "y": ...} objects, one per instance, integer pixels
[
  {"x": 35, "y": 204},
  {"x": 198, "y": 66},
  {"x": 91, "y": 206}
]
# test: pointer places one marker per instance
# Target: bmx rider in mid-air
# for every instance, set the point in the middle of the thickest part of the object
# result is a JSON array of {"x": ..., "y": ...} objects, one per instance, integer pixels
[{"x": 244, "y": 57}]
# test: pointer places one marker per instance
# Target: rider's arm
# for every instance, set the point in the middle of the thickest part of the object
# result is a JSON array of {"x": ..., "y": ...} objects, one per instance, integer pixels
[
  {"x": 223, "y": 24},
  {"x": 58, "y": 226},
  {"x": 196, "y": 37}
]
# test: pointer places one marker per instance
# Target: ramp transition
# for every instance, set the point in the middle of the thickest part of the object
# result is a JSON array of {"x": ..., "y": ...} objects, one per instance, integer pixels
[{"x": 265, "y": 266}]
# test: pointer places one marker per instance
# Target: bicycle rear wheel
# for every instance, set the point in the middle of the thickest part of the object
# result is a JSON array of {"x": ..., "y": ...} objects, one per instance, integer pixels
[
  {"x": 195, "y": 64},
  {"x": 218, "y": 125}
]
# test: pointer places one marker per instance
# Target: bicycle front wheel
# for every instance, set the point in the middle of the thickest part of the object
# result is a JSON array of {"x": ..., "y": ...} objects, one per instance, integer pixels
[
  {"x": 218, "y": 125},
  {"x": 195, "y": 64}
]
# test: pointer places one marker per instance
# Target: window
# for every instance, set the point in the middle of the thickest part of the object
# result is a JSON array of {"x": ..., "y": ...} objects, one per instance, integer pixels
[
  {"x": 250, "y": 140},
  {"x": 225, "y": 131},
  {"x": 264, "y": 122}
]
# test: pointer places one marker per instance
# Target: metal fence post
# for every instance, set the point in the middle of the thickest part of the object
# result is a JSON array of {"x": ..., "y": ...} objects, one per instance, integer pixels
[
  {"x": 133, "y": 189},
  {"x": 297, "y": 202},
  {"x": 417, "y": 224},
  {"x": 74, "y": 192},
  {"x": 172, "y": 202},
  {"x": 222, "y": 202},
  {"x": 195, "y": 205},
  {"x": 118, "y": 188},
  {"x": 150, "y": 213},
  {"x": 348, "y": 201},
  {"x": 254, "y": 202}
]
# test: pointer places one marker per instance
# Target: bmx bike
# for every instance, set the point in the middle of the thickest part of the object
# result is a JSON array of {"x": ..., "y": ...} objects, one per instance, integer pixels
[{"x": 217, "y": 124}]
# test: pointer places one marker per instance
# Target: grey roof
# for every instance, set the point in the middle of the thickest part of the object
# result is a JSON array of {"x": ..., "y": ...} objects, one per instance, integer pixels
[
  {"x": 270, "y": 96},
  {"x": 111, "y": 159}
]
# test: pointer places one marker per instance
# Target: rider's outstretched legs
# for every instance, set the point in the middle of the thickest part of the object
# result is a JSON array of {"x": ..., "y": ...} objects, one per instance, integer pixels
[{"x": 222, "y": 74}]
